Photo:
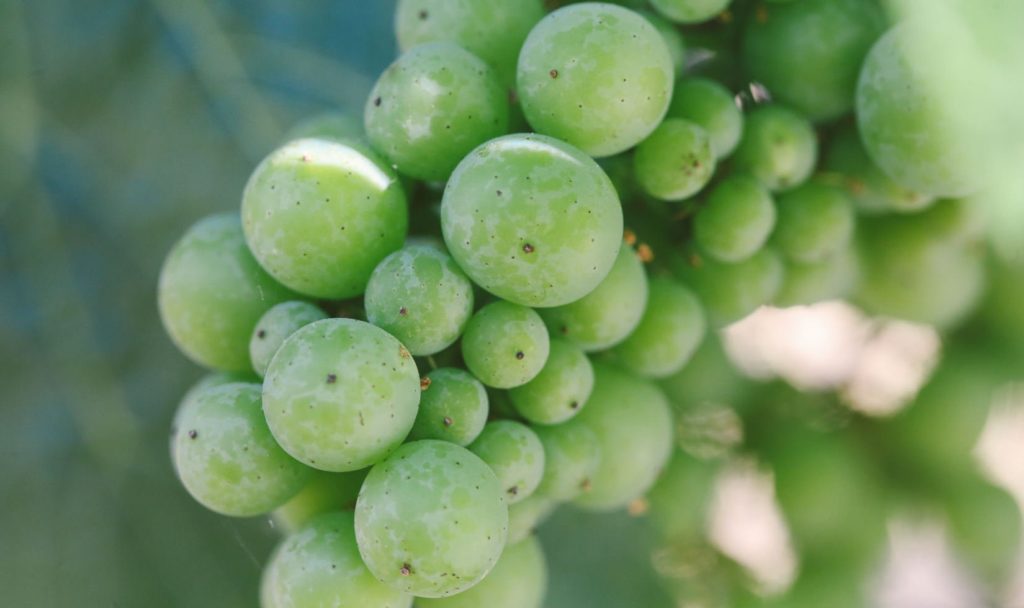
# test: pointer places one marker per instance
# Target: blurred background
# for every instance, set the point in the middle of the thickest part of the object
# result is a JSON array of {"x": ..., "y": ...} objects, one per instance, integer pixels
[{"x": 124, "y": 121}]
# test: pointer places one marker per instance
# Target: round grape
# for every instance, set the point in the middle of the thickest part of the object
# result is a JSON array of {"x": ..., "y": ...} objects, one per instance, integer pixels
[
  {"x": 814, "y": 222},
  {"x": 319, "y": 215},
  {"x": 709, "y": 104},
  {"x": 519, "y": 580},
  {"x": 532, "y": 220},
  {"x": 212, "y": 292},
  {"x": 676, "y": 161},
  {"x": 421, "y": 297},
  {"x": 778, "y": 147},
  {"x": 833, "y": 278},
  {"x": 596, "y": 75},
  {"x": 206, "y": 382},
  {"x": 323, "y": 493},
  {"x": 572, "y": 455},
  {"x": 730, "y": 292},
  {"x": 689, "y": 11},
  {"x": 431, "y": 519},
  {"x": 341, "y": 394},
  {"x": 736, "y": 219},
  {"x": 274, "y": 326},
  {"x": 453, "y": 407},
  {"x": 505, "y": 344},
  {"x": 561, "y": 388},
  {"x": 671, "y": 330},
  {"x": 226, "y": 457},
  {"x": 515, "y": 454}
]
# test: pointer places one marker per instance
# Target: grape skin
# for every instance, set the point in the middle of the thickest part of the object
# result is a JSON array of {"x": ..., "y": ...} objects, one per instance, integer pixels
[
  {"x": 710, "y": 105},
  {"x": 833, "y": 278},
  {"x": 778, "y": 147},
  {"x": 561, "y": 388},
  {"x": 515, "y": 454},
  {"x": 274, "y": 326},
  {"x": 572, "y": 455},
  {"x": 690, "y": 11},
  {"x": 453, "y": 407},
  {"x": 518, "y": 580},
  {"x": 328, "y": 125},
  {"x": 814, "y": 222},
  {"x": 526, "y": 515},
  {"x": 675, "y": 161},
  {"x": 505, "y": 345},
  {"x": 736, "y": 219},
  {"x": 730, "y": 292},
  {"x": 671, "y": 330},
  {"x": 323, "y": 493}
]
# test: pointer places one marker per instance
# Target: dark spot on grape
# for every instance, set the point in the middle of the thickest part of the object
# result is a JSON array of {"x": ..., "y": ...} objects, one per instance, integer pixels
[
  {"x": 423, "y": 15},
  {"x": 564, "y": 330},
  {"x": 193, "y": 434},
  {"x": 448, "y": 421},
  {"x": 261, "y": 334},
  {"x": 332, "y": 378},
  {"x": 499, "y": 192},
  {"x": 527, "y": 248},
  {"x": 520, "y": 354},
  {"x": 406, "y": 570},
  {"x": 424, "y": 383},
  {"x": 376, "y": 102},
  {"x": 553, "y": 73},
  {"x": 514, "y": 490},
  {"x": 403, "y": 311},
  {"x": 574, "y": 405}
]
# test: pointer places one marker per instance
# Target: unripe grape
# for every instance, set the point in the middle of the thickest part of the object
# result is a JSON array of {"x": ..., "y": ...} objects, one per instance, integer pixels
[
  {"x": 515, "y": 454},
  {"x": 505, "y": 344},
  {"x": 453, "y": 407},
  {"x": 671, "y": 330},
  {"x": 274, "y": 326}
]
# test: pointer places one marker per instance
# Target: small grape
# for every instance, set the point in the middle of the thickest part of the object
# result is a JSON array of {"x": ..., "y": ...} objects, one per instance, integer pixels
[
  {"x": 778, "y": 147},
  {"x": 572, "y": 455},
  {"x": 519, "y": 580},
  {"x": 561, "y": 388},
  {"x": 421, "y": 297},
  {"x": 431, "y": 519},
  {"x": 212, "y": 292},
  {"x": 319, "y": 215},
  {"x": 814, "y": 222},
  {"x": 319, "y": 565},
  {"x": 341, "y": 394},
  {"x": 532, "y": 220},
  {"x": 323, "y": 493},
  {"x": 526, "y": 515},
  {"x": 710, "y": 105},
  {"x": 671, "y": 330},
  {"x": 515, "y": 454},
  {"x": 730, "y": 292},
  {"x": 453, "y": 407},
  {"x": 596, "y": 75},
  {"x": 432, "y": 106},
  {"x": 736, "y": 219},
  {"x": 505, "y": 344},
  {"x": 208, "y": 381},
  {"x": 633, "y": 424},
  {"x": 689, "y": 11},
  {"x": 609, "y": 313},
  {"x": 329, "y": 125},
  {"x": 226, "y": 457},
  {"x": 833, "y": 278},
  {"x": 675, "y": 161},
  {"x": 274, "y": 326}
]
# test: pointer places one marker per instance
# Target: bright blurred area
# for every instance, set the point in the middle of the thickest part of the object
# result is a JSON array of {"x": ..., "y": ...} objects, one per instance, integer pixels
[{"x": 123, "y": 121}]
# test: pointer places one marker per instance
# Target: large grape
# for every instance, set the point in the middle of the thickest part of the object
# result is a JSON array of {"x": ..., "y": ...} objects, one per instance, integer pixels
[
  {"x": 730, "y": 292},
  {"x": 532, "y": 220},
  {"x": 319, "y": 215},
  {"x": 572, "y": 455},
  {"x": 431, "y": 519},
  {"x": 519, "y": 580},
  {"x": 675, "y": 161},
  {"x": 560, "y": 389},
  {"x": 710, "y": 105},
  {"x": 778, "y": 147},
  {"x": 809, "y": 53},
  {"x": 815, "y": 221},
  {"x": 212, "y": 292},
  {"x": 323, "y": 493},
  {"x": 596, "y": 75},
  {"x": 319, "y": 565},
  {"x": 275, "y": 325},
  {"x": 341, "y": 394},
  {"x": 671, "y": 329},
  {"x": 633, "y": 424},
  {"x": 453, "y": 407},
  {"x": 432, "y": 106},
  {"x": 226, "y": 457},
  {"x": 493, "y": 30},
  {"x": 505, "y": 344},
  {"x": 736, "y": 219},
  {"x": 609, "y": 313},
  {"x": 690, "y": 11},
  {"x": 515, "y": 454},
  {"x": 420, "y": 296}
]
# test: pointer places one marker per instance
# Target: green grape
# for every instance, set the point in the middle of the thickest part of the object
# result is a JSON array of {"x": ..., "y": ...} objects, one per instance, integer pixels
[
  {"x": 226, "y": 457},
  {"x": 341, "y": 394},
  {"x": 832, "y": 278},
  {"x": 431, "y": 519},
  {"x": 609, "y": 313},
  {"x": 675, "y": 161},
  {"x": 212, "y": 292},
  {"x": 809, "y": 53},
  {"x": 532, "y": 220},
  {"x": 633, "y": 424},
  {"x": 730, "y": 292},
  {"x": 815, "y": 221},
  {"x": 671, "y": 36},
  {"x": 453, "y": 407},
  {"x": 736, "y": 219},
  {"x": 680, "y": 502},
  {"x": 870, "y": 189},
  {"x": 710, "y": 105},
  {"x": 274, "y": 326},
  {"x": 519, "y": 580},
  {"x": 515, "y": 454},
  {"x": 671, "y": 330},
  {"x": 985, "y": 525},
  {"x": 596, "y": 75},
  {"x": 319, "y": 215},
  {"x": 526, "y": 515},
  {"x": 323, "y": 493},
  {"x": 421, "y": 297},
  {"x": 206, "y": 382},
  {"x": 778, "y": 147},
  {"x": 319, "y": 565},
  {"x": 329, "y": 125},
  {"x": 505, "y": 344},
  {"x": 432, "y": 106},
  {"x": 572, "y": 456},
  {"x": 561, "y": 388},
  {"x": 709, "y": 377},
  {"x": 493, "y": 30},
  {"x": 689, "y": 11},
  {"x": 912, "y": 271},
  {"x": 910, "y": 121}
]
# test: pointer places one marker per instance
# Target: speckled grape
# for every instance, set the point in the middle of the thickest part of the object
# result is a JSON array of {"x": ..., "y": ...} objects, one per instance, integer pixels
[
  {"x": 515, "y": 454},
  {"x": 453, "y": 407},
  {"x": 561, "y": 388},
  {"x": 676, "y": 161},
  {"x": 505, "y": 344},
  {"x": 274, "y": 326},
  {"x": 672, "y": 328},
  {"x": 778, "y": 147},
  {"x": 710, "y": 105},
  {"x": 572, "y": 455},
  {"x": 323, "y": 493}
]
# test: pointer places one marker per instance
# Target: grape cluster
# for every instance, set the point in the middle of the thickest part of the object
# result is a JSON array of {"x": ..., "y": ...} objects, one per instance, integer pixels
[{"x": 430, "y": 329}]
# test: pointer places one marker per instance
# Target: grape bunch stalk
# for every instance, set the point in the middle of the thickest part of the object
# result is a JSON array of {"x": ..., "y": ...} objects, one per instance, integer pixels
[{"x": 501, "y": 291}]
